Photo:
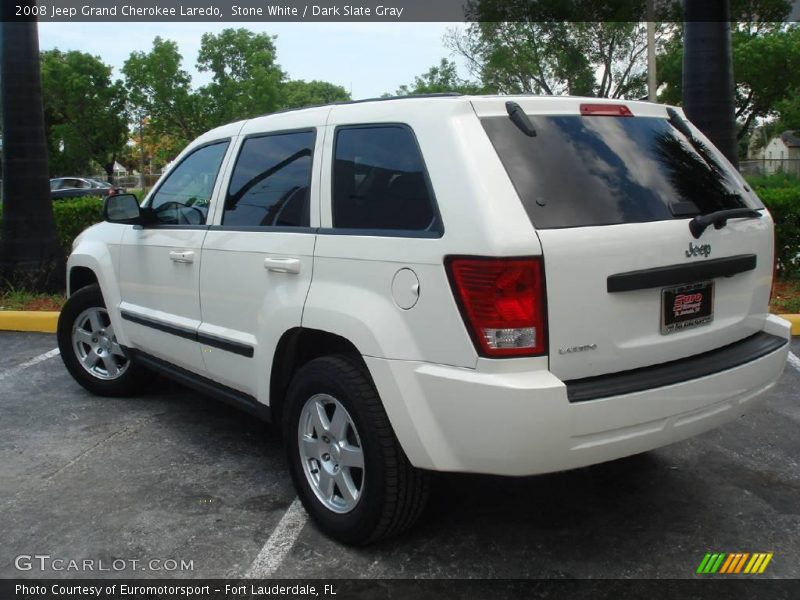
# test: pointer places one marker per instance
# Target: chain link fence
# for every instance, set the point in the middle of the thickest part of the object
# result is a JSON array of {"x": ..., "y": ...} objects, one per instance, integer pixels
[
  {"x": 770, "y": 166},
  {"x": 130, "y": 181}
]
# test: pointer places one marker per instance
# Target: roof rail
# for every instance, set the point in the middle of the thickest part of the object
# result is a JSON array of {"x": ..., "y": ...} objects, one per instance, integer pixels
[{"x": 381, "y": 99}]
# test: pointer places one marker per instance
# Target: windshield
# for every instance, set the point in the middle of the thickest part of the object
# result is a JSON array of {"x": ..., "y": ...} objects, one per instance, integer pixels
[{"x": 583, "y": 171}]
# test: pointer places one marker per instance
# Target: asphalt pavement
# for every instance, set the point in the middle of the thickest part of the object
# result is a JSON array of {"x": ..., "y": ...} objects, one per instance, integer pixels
[{"x": 174, "y": 484}]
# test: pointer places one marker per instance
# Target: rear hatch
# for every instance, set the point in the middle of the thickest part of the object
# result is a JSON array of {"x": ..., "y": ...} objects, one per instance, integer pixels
[{"x": 611, "y": 192}]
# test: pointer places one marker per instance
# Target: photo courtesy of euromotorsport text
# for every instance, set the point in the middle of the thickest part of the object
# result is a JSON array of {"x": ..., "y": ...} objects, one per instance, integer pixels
[{"x": 465, "y": 298}]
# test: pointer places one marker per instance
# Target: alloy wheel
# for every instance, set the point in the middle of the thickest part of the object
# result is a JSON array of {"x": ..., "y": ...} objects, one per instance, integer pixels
[
  {"x": 96, "y": 346},
  {"x": 331, "y": 453}
]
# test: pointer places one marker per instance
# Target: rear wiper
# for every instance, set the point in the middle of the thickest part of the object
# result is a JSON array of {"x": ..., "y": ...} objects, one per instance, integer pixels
[
  {"x": 719, "y": 219},
  {"x": 520, "y": 119}
]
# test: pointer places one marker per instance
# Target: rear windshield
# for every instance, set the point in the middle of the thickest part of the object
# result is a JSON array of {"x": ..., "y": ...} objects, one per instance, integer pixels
[{"x": 582, "y": 171}]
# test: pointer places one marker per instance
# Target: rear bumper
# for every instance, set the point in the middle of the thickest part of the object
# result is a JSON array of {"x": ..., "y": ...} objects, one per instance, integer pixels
[{"x": 522, "y": 423}]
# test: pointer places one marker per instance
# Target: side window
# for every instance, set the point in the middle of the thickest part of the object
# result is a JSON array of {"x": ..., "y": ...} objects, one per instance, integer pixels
[
  {"x": 271, "y": 182},
  {"x": 379, "y": 181},
  {"x": 184, "y": 196}
]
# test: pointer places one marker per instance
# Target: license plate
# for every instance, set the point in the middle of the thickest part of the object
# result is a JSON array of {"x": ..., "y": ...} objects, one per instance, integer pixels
[{"x": 687, "y": 306}]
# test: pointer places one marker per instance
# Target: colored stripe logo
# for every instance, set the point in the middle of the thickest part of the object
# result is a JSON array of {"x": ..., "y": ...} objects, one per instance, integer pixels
[{"x": 733, "y": 563}]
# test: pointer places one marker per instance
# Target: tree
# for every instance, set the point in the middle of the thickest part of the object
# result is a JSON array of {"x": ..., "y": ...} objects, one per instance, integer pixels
[
  {"x": 246, "y": 79},
  {"x": 788, "y": 111},
  {"x": 767, "y": 69},
  {"x": 29, "y": 250},
  {"x": 160, "y": 90},
  {"x": 84, "y": 112},
  {"x": 760, "y": 15},
  {"x": 159, "y": 149},
  {"x": 438, "y": 79},
  {"x": 521, "y": 54},
  {"x": 246, "y": 82},
  {"x": 766, "y": 62},
  {"x": 298, "y": 93}
]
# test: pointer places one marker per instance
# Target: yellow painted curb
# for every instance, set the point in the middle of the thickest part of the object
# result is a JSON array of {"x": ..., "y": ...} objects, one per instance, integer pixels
[
  {"x": 795, "y": 321},
  {"x": 28, "y": 320}
]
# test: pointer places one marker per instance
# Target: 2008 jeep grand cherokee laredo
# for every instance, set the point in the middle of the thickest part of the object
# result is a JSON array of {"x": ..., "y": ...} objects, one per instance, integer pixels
[{"x": 506, "y": 285}]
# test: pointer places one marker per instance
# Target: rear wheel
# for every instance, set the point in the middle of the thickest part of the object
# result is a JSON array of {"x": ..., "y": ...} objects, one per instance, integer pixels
[
  {"x": 348, "y": 467},
  {"x": 89, "y": 347}
]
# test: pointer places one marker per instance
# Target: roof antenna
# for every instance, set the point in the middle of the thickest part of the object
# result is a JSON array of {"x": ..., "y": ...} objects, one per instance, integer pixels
[{"x": 520, "y": 119}]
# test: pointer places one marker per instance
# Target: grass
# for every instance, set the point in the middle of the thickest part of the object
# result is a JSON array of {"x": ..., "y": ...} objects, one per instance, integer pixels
[
  {"x": 776, "y": 180},
  {"x": 16, "y": 299},
  {"x": 786, "y": 297}
]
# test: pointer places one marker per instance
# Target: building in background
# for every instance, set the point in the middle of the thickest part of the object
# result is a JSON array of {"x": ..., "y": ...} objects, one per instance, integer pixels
[{"x": 780, "y": 154}]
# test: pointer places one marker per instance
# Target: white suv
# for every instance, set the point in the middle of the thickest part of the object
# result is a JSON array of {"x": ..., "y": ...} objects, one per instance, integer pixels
[{"x": 505, "y": 285}]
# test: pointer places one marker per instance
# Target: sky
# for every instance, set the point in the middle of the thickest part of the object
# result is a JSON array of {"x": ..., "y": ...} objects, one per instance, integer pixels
[{"x": 368, "y": 59}]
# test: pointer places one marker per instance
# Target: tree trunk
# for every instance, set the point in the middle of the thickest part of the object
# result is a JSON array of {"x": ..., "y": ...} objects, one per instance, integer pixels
[
  {"x": 30, "y": 254},
  {"x": 708, "y": 88},
  {"x": 109, "y": 168}
]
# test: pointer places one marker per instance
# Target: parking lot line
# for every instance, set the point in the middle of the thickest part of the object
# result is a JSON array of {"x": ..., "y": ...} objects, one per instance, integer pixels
[
  {"x": 793, "y": 360},
  {"x": 279, "y": 543},
  {"x": 29, "y": 363}
]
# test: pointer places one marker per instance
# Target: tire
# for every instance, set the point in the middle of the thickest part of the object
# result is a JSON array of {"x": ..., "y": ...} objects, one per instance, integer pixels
[
  {"x": 90, "y": 358},
  {"x": 390, "y": 494}
]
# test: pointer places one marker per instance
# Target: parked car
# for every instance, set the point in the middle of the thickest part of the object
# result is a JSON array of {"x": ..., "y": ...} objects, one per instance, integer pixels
[
  {"x": 74, "y": 187},
  {"x": 501, "y": 285}
]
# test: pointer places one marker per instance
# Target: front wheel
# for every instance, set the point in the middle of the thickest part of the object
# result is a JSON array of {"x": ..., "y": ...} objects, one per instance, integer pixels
[
  {"x": 351, "y": 474},
  {"x": 89, "y": 348}
]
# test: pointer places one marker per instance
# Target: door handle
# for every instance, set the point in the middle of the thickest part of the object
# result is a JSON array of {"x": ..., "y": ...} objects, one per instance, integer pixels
[
  {"x": 186, "y": 256},
  {"x": 282, "y": 265}
]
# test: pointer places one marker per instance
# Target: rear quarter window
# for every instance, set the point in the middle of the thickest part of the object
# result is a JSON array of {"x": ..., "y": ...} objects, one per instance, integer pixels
[{"x": 380, "y": 181}]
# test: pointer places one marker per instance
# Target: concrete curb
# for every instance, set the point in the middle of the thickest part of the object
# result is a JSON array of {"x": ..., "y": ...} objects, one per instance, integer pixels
[
  {"x": 46, "y": 321},
  {"x": 28, "y": 320}
]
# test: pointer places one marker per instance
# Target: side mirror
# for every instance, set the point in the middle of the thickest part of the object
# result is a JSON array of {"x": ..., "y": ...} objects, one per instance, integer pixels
[{"x": 122, "y": 208}]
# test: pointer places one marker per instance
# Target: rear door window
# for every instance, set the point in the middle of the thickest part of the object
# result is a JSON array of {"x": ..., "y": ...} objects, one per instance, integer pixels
[
  {"x": 271, "y": 183},
  {"x": 380, "y": 182},
  {"x": 583, "y": 171}
]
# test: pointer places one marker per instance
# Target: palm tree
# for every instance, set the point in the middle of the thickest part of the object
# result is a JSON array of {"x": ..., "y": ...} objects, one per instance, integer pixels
[
  {"x": 708, "y": 88},
  {"x": 29, "y": 250}
]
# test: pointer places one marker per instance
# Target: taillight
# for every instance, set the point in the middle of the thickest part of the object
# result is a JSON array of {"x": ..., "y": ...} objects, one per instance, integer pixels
[
  {"x": 605, "y": 110},
  {"x": 502, "y": 301}
]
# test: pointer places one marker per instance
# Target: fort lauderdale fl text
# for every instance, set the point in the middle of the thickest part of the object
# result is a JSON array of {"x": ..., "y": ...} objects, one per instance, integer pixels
[{"x": 271, "y": 10}]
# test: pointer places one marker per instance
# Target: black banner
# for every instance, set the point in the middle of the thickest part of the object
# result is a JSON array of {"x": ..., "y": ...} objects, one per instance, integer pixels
[
  {"x": 357, "y": 10},
  {"x": 358, "y": 589}
]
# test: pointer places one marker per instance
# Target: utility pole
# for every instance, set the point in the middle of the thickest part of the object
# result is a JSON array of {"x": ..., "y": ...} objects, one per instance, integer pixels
[
  {"x": 142, "y": 181},
  {"x": 651, "y": 51}
]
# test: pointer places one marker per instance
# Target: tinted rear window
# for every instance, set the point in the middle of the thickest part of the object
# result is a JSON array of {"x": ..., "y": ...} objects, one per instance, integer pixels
[
  {"x": 582, "y": 171},
  {"x": 271, "y": 182}
]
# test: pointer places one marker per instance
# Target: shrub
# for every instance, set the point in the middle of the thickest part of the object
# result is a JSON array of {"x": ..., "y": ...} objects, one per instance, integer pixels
[
  {"x": 73, "y": 216},
  {"x": 784, "y": 205},
  {"x": 776, "y": 180}
]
